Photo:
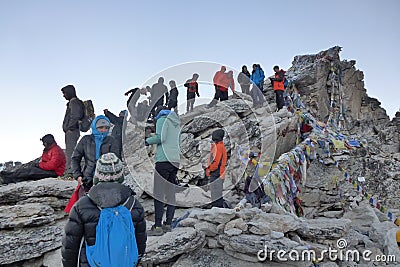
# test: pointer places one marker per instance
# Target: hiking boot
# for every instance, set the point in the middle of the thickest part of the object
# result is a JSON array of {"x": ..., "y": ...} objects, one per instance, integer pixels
[
  {"x": 166, "y": 227},
  {"x": 155, "y": 231}
]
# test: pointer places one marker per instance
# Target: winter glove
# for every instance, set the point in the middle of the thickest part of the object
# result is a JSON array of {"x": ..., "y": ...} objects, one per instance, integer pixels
[{"x": 146, "y": 144}]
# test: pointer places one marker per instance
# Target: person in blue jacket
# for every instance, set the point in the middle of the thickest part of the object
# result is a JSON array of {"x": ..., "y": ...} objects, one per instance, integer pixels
[{"x": 257, "y": 77}]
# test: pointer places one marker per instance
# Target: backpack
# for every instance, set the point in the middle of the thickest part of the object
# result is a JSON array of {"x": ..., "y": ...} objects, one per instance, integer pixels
[
  {"x": 115, "y": 239},
  {"x": 88, "y": 116}
]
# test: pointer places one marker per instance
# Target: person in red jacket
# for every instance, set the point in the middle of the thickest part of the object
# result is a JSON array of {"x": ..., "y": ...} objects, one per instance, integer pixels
[
  {"x": 216, "y": 167},
  {"x": 278, "y": 83},
  {"x": 52, "y": 164}
]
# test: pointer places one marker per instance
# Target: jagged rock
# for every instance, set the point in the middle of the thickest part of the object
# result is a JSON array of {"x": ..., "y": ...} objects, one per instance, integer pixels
[
  {"x": 237, "y": 223},
  {"x": 172, "y": 244},
  {"x": 213, "y": 243},
  {"x": 264, "y": 223},
  {"x": 13, "y": 193},
  {"x": 214, "y": 215},
  {"x": 52, "y": 259},
  {"x": 362, "y": 217},
  {"x": 246, "y": 247},
  {"x": 27, "y": 243},
  {"x": 233, "y": 231},
  {"x": 324, "y": 228},
  {"x": 54, "y": 202},
  {"x": 379, "y": 231},
  {"x": 209, "y": 229},
  {"x": 188, "y": 222},
  {"x": 31, "y": 214},
  {"x": 390, "y": 245}
]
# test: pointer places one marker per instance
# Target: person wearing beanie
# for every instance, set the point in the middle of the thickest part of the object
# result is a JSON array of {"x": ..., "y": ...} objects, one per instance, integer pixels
[
  {"x": 90, "y": 148},
  {"x": 107, "y": 191},
  {"x": 167, "y": 161},
  {"x": 75, "y": 112},
  {"x": 118, "y": 129},
  {"x": 51, "y": 164},
  {"x": 216, "y": 165}
]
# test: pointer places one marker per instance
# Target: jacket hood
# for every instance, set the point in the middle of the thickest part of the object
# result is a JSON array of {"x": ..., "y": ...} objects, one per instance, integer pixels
[
  {"x": 173, "y": 118},
  {"x": 93, "y": 125},
  {"x": 106, "y": 195},
  {"x": 69, "y": 91}
]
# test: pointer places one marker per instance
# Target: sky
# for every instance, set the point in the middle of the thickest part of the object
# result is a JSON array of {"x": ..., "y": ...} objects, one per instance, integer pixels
[{"x": 104, "y": 48}]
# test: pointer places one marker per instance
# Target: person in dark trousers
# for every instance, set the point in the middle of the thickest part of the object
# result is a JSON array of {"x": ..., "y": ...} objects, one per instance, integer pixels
[
  {"x": 90, "y": 148},
  {"x": 167, "y": 160},
  {"x": 74, "y": 113},
  {"x": 192, "y": 90},
  {"x": 85, "y": 214},
  {"x": 117, "y": 130},
  {"x": 257, "y": 77},
  {"x": 244, "y": 80},
  {"x": 173, "y": 97},
  {"x": 215, "y": 169},
  {"x": 51, "y": 164},
  {"x": 158, "y": 90},
  {"x": 219, "y": 79},
  {"x": 278, "y": 83}
]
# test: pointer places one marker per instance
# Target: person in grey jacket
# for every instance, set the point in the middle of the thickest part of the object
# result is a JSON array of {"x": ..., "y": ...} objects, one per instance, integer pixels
[
  {"x": 90, "y": 148},
  {"x": 74, "y": 113}
]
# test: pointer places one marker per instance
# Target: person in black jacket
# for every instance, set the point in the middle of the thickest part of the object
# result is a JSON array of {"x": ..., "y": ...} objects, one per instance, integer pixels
[
  {"x": 85, "y": 214},
  {"x": 91, "y": 147},
  {"x": 244, "y": 80},
  {"x": 192, "y": 91},
  {"x": 74, "y": 113},
  {"x": 117, "y": 130},
  {"x": 173, "y": 97}
]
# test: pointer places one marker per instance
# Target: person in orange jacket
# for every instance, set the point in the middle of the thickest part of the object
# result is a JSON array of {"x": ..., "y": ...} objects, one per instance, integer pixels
[
  {"x": 222, "y": 81},
  {"x": 216, "y": 167},
  {"x": 278, "y": 83}
]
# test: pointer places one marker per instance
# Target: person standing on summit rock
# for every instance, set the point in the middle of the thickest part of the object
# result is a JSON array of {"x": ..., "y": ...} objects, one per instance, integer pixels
[
  {"x": 279, "y": 86},
  {"x": 74, "y": 113}
]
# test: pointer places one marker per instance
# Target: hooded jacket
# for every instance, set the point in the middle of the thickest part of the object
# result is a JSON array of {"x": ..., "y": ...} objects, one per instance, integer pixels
[
  {"x": 279, "y": 80},
  {"x": 75, "y": 109},
  {"x": 257, "y": 76},
  {"x": 53, "y": 159},
  {"x": 87, "y": 148},
  {"x": 166, "y": 137},
  {"x": 218, "y": 156},
  {"x": 85, "y": 215}
]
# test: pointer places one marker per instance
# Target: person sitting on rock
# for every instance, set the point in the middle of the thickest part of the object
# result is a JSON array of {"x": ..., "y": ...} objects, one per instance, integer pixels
[
  {"x": 90, "y": 148},
  {"x": 253, "y": 188},
  {"x": 107, "y": 191},
  {"x": 52, "y": 164}
]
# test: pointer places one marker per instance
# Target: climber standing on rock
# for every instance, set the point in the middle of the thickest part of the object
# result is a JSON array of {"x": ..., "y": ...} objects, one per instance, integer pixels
[
  {"x": 257, "y": 77},
  {"x": 167, "y": 160},
  {"x": 278, "y": 83},
  {"x": 222, "y": 81},
  {"x": 192, "y": 91},
  {"x": 215, "y": 169}
]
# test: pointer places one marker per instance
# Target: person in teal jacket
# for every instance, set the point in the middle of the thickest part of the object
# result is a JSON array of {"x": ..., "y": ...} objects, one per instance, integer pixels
[{"x": 167, "y": 160}]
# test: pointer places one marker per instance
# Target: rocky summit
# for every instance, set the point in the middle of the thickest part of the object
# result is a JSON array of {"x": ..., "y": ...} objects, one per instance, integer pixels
[{"x": 334, "y": 187}]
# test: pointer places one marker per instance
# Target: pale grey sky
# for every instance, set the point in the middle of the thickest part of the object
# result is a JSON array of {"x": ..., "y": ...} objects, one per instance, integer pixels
[{"x": 105, "y": 48}]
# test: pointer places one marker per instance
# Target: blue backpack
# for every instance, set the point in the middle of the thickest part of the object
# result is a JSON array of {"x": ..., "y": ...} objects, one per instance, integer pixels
[{"x": 115, "y": 239}]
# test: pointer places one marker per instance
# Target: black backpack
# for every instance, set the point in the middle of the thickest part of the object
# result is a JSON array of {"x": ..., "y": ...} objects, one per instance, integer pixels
[{"x": 88, "y": 115}]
